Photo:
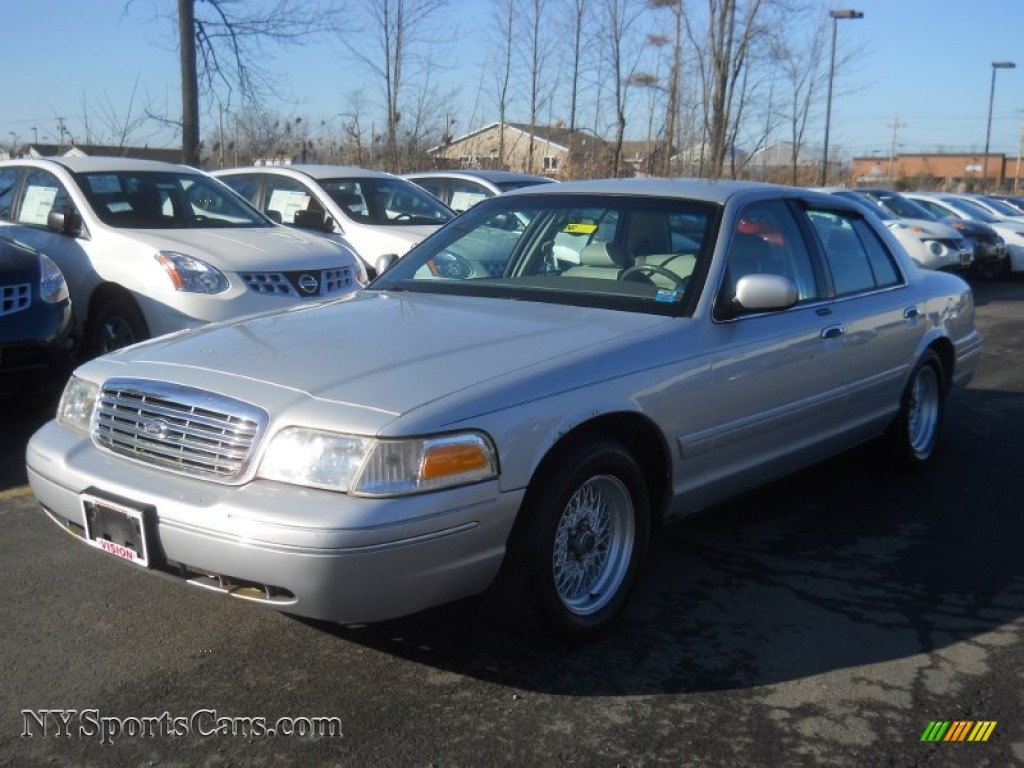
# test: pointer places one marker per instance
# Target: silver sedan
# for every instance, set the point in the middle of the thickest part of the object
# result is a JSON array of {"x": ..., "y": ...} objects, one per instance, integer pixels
[{"x": 512, "y": 405}]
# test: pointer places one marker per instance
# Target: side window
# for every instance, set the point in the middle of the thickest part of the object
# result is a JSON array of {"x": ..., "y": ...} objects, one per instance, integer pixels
[
  {"x": 767, "y": 240},
  {"x": 856, "y": 258},
  {"x": 43, "y": 193},
  {"x": 8, "y": 178},
  {"x": 466, "y": 194},
  {"x": 433, "y": 186},
  {"x": 246, "y": 184},
  {"x": 286, "y": 196}
]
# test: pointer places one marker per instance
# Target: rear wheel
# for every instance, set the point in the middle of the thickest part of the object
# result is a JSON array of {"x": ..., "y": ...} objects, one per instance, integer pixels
[
  {"x": 914, "y": 433},
  {"x": 575, "y": 551},
  {"x": 116, "y": 323}
]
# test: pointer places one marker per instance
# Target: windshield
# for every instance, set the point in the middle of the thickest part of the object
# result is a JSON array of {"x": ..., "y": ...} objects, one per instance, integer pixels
[
  {"x": 632, "y": 253},
  {"x": 165, "y": 200},
  {"x": 1003, "y": 209},
  {"x": 902, "y": 207},
  {"x": 970, "y": 209},
  {"x": 385, "y": 202}
]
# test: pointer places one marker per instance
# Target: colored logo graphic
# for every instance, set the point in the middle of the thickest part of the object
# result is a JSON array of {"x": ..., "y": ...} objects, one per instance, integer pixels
[{"x": 958, "y": 730}]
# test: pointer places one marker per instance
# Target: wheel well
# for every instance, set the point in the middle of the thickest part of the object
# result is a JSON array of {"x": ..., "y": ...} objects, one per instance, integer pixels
[
  {"x": 643, "y": 441},
  {"x": 947, "y": 356},
  {"x": 105, "y": 292}
]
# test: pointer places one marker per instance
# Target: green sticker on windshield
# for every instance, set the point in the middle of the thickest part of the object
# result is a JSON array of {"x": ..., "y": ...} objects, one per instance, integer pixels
[{"x": 580, "y": 229}]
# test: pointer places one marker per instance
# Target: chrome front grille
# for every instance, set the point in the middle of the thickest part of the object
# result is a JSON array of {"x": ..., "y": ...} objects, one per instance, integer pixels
[
  {"x": 177, "y": 428},
  {"x": 14, "y": 298},
  {"x": 305, "y": 284}
]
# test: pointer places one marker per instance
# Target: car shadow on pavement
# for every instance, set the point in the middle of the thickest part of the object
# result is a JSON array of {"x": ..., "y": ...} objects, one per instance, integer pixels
[
  {"x": 25, "y": 411},
  {"x": 844, "y": 565}
]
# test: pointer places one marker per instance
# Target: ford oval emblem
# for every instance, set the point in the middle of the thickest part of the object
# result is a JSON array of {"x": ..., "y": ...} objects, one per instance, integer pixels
[
  {"x": 155, "y": 427},
  {"x": 308, "y": 284}
]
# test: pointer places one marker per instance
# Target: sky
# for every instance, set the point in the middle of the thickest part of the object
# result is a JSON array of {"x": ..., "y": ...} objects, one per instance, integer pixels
[{"x": 919, "y": 76}]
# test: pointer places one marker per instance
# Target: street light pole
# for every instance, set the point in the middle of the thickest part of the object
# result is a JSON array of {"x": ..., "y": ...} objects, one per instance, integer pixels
[
  {"x": 836, "y": 15},
  {"x": 988, "y": 131}
]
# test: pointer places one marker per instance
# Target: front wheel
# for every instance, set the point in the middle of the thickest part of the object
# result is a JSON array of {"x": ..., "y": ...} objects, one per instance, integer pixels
[
  {"x": 117, "y": 323},
  {"x": 576, "y": 548},
  {"x": 915, "y": 431}
]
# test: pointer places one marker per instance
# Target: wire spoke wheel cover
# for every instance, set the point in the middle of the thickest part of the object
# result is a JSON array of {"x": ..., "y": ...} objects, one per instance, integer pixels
[
  {"x": 924, "y": 410},
  {"x": 593, "y": 544}
]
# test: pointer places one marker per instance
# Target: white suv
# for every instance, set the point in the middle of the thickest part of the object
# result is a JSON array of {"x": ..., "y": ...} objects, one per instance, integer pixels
[{"x": 148, "y": 248}]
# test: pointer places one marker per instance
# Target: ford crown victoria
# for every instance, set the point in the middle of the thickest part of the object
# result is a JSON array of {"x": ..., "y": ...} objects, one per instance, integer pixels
[{"x": 536, "y": 385}]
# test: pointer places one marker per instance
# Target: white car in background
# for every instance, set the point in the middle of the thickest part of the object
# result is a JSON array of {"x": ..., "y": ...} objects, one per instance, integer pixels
[
  {"x": 148, "y": 248},
  {"x": 376, "y": 213},
  {"x": 932, "y": 244},
  {"x": 963, "y": 207},
  {"x": 461, "y": 190}
]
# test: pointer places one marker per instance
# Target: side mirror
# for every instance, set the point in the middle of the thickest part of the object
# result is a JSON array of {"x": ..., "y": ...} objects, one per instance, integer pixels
[
  {"x": 275, "y": 216},
  {"x": 67, "y": 222},
  {"x": 312, "y": 220},
  {"x": 764, "y": 293},
  {"x": 385, "y": 261}
]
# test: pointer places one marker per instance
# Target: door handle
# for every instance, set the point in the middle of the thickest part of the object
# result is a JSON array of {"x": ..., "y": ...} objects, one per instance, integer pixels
[
  {"x": 833, "y": 332},
  {"x": 911, "y": 313}
]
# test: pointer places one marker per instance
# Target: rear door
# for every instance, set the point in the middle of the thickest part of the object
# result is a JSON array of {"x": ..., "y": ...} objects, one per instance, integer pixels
[{"x": 880, "y": 315}]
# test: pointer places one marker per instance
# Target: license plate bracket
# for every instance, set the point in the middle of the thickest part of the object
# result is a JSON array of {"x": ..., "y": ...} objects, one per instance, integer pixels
[{"x": 116, "y": 528}]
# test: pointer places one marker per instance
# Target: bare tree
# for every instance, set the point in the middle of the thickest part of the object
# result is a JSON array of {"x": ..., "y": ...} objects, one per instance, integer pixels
[
  {"x": 400, "y": 31},
  {"x": 577, "y": 16},
  {"x": 623, "y": 57},
  {"x": 504, "y": 15},
  {"x": 222, "y": 51},
  {"x": 114, "y": 127},
  {"x": 675, "y": 71},
  {"x": 801, "y": 64},
  {"x": 535, "y": 51},
  {"x": 722, "y": 56}
]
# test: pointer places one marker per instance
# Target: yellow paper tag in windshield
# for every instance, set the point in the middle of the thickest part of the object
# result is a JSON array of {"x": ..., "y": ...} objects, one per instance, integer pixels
[{"x": 580, "y": 229}]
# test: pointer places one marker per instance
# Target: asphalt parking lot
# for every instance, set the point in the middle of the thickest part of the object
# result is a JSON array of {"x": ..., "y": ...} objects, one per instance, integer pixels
[{"x": 826, "y": 620}]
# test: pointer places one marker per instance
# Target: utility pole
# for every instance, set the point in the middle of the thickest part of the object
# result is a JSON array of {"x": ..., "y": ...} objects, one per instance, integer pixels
[
  {"x": 61, "y": 129},
  {"x": 1020, "y": 149},
  {"x": 895, "y": 125}
]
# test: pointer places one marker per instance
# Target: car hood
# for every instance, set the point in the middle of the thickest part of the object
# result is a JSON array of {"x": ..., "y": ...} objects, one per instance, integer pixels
[
  {"x": 934, "y": 229},
  {"x": 251, "y": 249},
  {"x": 969, "y": 226},
  {"x": 389, "y": 353}
]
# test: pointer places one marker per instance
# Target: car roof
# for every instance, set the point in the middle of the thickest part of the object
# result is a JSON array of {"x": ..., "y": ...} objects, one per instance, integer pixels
[
  {"x": 313, "y": 171},
  {"x": 707, "y": 190},
  {"x": 94, "y": 164},
  {"x": 495, "y": 177}
]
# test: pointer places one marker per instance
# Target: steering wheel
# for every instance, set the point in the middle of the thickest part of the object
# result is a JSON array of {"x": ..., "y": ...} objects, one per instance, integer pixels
[
  {"x": 402, "y": 217},
  {"x": 679, "y": 283}
]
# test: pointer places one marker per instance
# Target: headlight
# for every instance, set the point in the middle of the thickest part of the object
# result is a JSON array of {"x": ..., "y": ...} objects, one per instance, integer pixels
[
  {"x": 77, "y": 403},
  {"x": 52, "y": 287},
  {"x": 367, "y": 467},
  {"x": 191, "y": 275},
  {"x": 935, "y": 247}
]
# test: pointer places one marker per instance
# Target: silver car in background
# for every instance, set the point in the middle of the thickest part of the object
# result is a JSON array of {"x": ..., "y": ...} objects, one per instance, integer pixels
[{"x": 529, "y": 391}]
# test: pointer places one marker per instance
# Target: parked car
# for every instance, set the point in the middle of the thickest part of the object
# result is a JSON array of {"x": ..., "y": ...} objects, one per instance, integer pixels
[
  {"x": 461, "y": 190},
  {"x": 377, "y": 213},
  {"x": 1014, "y": 201},
  {"x": 149, "y": 247},
  {"x": 519, "y": 428},
  {"x": 989, "y": 254},
  {"x": 999, "y": 209},
  {"x": 966, "y": 208},
  {"x": 35, "y": 315},
  {"x": 931, "y": 244}
]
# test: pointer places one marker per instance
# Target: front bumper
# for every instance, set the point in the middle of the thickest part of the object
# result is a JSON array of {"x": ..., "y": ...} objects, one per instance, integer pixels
[{"x": 307, "y": 552}]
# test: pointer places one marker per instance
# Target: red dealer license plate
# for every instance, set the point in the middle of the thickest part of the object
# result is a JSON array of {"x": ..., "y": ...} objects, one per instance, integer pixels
[{"x": 116, "y": 529}]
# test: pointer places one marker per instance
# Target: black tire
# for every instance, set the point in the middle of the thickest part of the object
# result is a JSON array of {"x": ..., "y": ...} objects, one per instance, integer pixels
[
  {"x": 117, "y": 322},
  {"x": 575, "y": 550},
  {"x": 915, "y": 431}
]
